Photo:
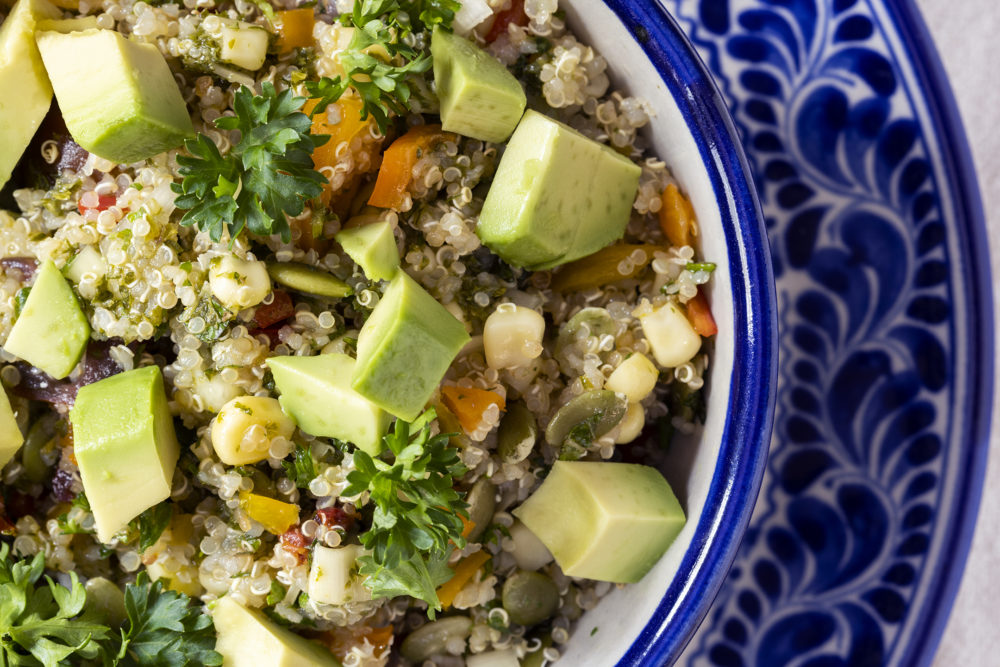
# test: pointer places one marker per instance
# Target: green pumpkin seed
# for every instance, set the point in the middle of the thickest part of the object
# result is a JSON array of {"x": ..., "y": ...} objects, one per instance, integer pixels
[
  {"x": 529, "y": 597},
  {"x": 482, "y": 505},
  {"x": 432, "y": 639},
  {"x": 583, "y": 419},
  {"x": 517, "y": 433},
  {"x": 305, "y": 278}
]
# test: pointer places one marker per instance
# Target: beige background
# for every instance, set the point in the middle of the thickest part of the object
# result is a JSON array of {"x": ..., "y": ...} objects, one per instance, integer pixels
[{"x": 967, "y": 33}]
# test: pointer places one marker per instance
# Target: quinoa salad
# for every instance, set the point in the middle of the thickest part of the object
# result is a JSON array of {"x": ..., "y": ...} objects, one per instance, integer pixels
[{"x": 336, "y": 333}]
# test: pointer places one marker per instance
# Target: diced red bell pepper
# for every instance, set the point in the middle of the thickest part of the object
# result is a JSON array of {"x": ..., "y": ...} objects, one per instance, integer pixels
[
  {"x": 104, "y": 202},
  {"x": 700, "y": 315},
  {"x": 514, "y": 14}
]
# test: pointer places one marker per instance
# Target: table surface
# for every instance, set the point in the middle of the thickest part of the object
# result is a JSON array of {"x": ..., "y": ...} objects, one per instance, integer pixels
[{"x": 966, "y": 35}]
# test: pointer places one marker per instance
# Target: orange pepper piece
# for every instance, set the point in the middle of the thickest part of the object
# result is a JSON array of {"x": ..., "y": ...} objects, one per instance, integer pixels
[
  {"x": 350, "y": 126},
  {"x": 700, "y": 315},
  {"x": 396, "y": 171},
  {"x": 677, "y": 217},
  {"x": 468, "y": 404},
  {"x": 602, "y": 268},
  {"x": 464, "y": 571},
  {"x": 295, "y": 28}
]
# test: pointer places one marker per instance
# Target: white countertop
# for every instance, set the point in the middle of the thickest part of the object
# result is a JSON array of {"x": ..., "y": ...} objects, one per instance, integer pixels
[{"x": 967, "y": 33}]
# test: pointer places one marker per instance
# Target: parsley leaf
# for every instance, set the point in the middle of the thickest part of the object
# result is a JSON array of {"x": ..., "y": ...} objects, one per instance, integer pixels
[
  {"x": 416, "y": 521},
  {"x": 265, "y": 177},
  {"x": 301, "y": 469},
  {"x": 164, "y": 629},
  {"x": 46, "y": 622},
  {"x": 151, "y": 524}
]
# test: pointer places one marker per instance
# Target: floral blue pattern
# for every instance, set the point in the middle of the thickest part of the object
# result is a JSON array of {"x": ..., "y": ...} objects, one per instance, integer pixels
[{"x": 862, "y": 526}]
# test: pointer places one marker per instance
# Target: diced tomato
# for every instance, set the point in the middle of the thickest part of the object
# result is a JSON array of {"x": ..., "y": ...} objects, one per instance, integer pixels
[
  {"x": 294, "y": 542},
  {"x": 515, "y": 14},
  {"x": 104, "y": 202},
  {"x": 700, "y": 315},
  {"x": 279, "y": 310},
  {"x": 335, "y": 516}
]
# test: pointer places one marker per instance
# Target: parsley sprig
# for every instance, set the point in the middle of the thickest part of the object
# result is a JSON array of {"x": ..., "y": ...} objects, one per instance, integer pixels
[
  {"x": 49, "y": 624},
  {"x": 265, "y": 177},
  {"x": 382, "y": 57},
  {"x": 43, "y": 624},
  {"x": 416, "y": 522}
]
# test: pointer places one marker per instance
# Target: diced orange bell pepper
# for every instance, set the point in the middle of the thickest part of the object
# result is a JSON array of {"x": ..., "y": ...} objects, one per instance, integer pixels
[
  {"x": 464, "y": 571},
  {"x": 295, "y": 28},
  {"x": 274, "y": 515},
  {"x": 468, "y": 404},
  {"x": 677, "y": 218},
  {"x": 347, "y": 129},
  {"x": 341, "y": 641},
  {"x": 602, "y": 268},
  {"x": 700, "y": 315},
  {"x": 396, "y": 171}
]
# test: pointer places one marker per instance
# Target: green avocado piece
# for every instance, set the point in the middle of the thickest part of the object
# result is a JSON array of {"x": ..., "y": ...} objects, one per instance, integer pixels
[
  {"x": 121, "y": 102},
  {"x": 405, "y": 348},
  {"x": 316, "y": 392},
  {"x": 479, "y": 97},
  {"x": 27, "y": 92},
  {"x": 604, "y": 521},
  {"x": 373, "y": 248},
  {"x": 246, "y": 638},
  {"x": 11, "y": 438},
  {"x": 68, "y": 25},
  {"x": 557, "y": 196},
  {"x": 125, "y": 444},
  {"x": 307, "y": 279},
  {"x": 51, "y": 332}
]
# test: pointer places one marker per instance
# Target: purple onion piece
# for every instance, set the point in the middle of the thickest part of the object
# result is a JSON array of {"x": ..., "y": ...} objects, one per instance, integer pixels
[
  {"x": 25, "y": 265},
  {"x": 36, "y": 385}
]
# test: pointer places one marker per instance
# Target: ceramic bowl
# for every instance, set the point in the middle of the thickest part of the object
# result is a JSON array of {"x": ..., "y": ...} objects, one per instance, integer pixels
[{"x": 717, "y": 472}]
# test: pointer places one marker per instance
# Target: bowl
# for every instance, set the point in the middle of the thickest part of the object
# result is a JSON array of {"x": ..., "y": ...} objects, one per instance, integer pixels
[{"x": 717, "y": 472}]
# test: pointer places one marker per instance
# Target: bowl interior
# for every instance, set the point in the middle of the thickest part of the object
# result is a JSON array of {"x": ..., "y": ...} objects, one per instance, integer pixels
[{"x": 716, "y": 473}]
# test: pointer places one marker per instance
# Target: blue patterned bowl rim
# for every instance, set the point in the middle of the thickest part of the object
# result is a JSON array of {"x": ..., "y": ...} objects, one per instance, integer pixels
[
  {"x": 747, "y": 433},
  {"x": 980, "y": 335}
]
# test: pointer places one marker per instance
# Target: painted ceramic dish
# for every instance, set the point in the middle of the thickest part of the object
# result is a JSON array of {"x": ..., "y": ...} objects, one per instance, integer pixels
[{"x": 877, "y": 233}]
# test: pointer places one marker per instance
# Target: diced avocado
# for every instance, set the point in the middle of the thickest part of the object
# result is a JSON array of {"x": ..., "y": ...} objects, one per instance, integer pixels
[
  {"x": 125, "y": 444},
  {"x": 246, "y": 638},
  {"x": 541, "y": 212},
  {"x": 316, "y": 392},
  {"x": 121, "y": 102},
  {"x": 68, "y": 25},
  {"x": 479, "y": 97},
  {"x": 373, "y": 248},
  {"x": 405, "y": 348},
  {"x": 51, "y": 332},
  {"x": 333, "y": 576},
  {"x": 27, "y": 93},
  {"x": 604, "y": 521},
  {"x": 11, "y": 438},
  {"x": 304, "y": 278}
]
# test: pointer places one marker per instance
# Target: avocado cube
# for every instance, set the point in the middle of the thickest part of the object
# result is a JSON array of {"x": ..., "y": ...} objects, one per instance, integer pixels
[
  {"x": 405, "y": 348},
  {"x": 27, "y": 92},
  {"x": 479, "y": 97},
  {"x": 10, "y": 435},
  {"x": 51, "y": 332},
  {"x": 120, "y": 102},
  {"x": 557, "y": 196},
  {"x": 316, "y": 392},
  {"x": 246, "y": 638},
  {"x": 604, "y": 521},
  {"x": 373, "y": 248},
  {"x": 124, "y": 441}
]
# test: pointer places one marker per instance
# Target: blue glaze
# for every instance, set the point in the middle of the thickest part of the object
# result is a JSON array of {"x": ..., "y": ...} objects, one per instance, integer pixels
[{"x": 878, "y": 241}]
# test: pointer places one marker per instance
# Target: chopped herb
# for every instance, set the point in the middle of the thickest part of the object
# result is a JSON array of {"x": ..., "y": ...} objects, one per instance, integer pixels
[
  {"x": 151, "y": 524},
  {"x": 301, "y": 469},
  {"x": 20, "y": 298},
  {"x": 276, "y": 595},
  {"x": 265, "y": 177},
  {"x": 417, "y": 521}
]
